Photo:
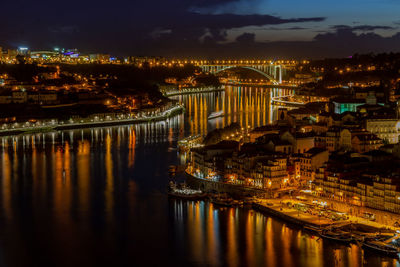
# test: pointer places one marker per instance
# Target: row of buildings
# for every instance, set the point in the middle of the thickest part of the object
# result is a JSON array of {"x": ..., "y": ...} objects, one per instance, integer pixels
[
  {"x": 371, "y": 181},
  {"x": 53, "y": 56},
  {"x": 350, "y": 156},
  {"x": 275, "y": 161}
]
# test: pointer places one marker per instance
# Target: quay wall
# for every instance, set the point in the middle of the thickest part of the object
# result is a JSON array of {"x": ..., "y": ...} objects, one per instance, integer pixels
[{"x": 280, "y": 215}]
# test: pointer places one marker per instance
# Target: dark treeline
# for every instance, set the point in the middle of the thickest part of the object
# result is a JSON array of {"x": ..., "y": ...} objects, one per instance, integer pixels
[
  {"x": 389, "y": 62},
  {"x": 219, "y": 135},
  {"x": 120, "y": 79},
  {"x": 130, "y": 72},
  {"x": 24, "y": 72},
  {"x": 128, "y": 79}
]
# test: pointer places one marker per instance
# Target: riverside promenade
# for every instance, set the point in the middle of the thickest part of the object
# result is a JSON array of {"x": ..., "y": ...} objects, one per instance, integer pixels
[
  {"x": 357, "y": 213},
  {"x": 269, "y": 206},
  {"x": 108, "y": 120},
  {"x": 277, "y": 209}
]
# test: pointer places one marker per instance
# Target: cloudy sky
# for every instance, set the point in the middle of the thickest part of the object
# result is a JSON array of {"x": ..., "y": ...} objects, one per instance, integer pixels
[{"x": 205, "y": 28}]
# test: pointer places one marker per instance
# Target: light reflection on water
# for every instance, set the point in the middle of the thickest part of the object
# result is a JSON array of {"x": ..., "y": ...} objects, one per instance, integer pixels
[
  {"x": 243, "y": 105},
  {"x": 241, "y": 237},
  {"x": 97, "y": 196}
]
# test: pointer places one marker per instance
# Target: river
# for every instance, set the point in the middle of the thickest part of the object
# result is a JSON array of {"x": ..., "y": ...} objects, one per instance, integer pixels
[{"x": 97, "y": 196}]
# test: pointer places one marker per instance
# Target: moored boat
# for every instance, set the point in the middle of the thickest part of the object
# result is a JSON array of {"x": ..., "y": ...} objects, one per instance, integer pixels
[
  {"x": 380, "y": 247},
  {"x": 338, "y": 237},
  {"x": 222, "y": 200},
  {"x": 185, "y": 192},
  {"x": 216, "y": 114},
  {"x": 312, "y": 228}
]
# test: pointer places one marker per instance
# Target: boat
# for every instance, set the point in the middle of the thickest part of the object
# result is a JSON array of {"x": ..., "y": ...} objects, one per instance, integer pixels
[
  {"x": 222, "y": 200},
  {"x": 338, "y": 237},
  {"x": 216, "y": 114},
  {"x": 380, "y": 247},
  {"x": 312, "y": 228},
  {"x": 172, "y": 168},
  {"x": 184, "y": 192}
]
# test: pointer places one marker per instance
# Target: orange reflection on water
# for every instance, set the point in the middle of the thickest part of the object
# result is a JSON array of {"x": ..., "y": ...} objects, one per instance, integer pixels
[
  {"x": 62, "y": 183},
  {"x": 232, "y": 253},
  {"x": 83, "y": 174},
  {"x": 109, "y": 190},
  {"x": 195, "y": 231},
  {"x": 311, "y": 249},
  {"x": 249, "y": 239},
  {"x": 15, "y": 160},
  {"x": 270, "y": 254},
  {"x": 132, "y": 147},
  {"x": 195, "y": 117},
  {"x": 355, "y": 251},
  {"x": 212, "y": 252},
  {"x": 6, "y": 183},
  {"x": 286, "y": 234}
]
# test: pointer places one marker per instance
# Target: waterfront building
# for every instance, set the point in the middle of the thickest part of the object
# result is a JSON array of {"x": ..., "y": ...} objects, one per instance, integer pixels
[
  {"x": 272, "y": 173},
  {"x": 364, "y": 142},
  {"x": 369, "y": 180},
  {"x": 310, "y": 161},
  {"x": 210, "y": 159},
  {"x": 386, "y": 128}
]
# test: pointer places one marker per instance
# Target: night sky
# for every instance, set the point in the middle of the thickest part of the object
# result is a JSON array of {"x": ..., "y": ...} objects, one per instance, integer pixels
[{"x": 205, "y": 28}]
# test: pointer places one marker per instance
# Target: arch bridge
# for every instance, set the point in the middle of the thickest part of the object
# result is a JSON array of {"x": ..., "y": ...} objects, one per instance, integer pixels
[{"x": 271, "y": 71}]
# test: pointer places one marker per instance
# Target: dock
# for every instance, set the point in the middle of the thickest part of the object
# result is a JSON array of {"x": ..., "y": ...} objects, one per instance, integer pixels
[{"x": 291, "y": 215}]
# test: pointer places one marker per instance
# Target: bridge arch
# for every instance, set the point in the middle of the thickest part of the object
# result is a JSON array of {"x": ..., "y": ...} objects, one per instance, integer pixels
[{"x": 272, "y": 79}]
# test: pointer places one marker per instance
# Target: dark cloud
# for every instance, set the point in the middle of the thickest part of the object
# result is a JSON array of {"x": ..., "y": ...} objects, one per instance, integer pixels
[
  {"x": 287, "y": 29},
  {"x": 363, "y": 28},
  {"x": 246, "y": 38},
  {"x": 340, "y": 43},
  {"x": 297, "y": 28},
  {"x": 173, "y": 28},
  {"x": 102, "y": 25},
  {"x": 229, "y": 21}
]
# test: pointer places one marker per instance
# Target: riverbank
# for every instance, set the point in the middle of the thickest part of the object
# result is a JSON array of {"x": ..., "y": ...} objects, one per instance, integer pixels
[
  {"x": 108, "y": 121},
  {"x": 357, "y": 213},
  {"x": 278, "y": 207}
]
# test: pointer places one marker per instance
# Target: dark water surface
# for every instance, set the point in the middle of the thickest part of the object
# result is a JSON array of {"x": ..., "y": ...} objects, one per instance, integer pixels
[{"x": 98, "y": 197}]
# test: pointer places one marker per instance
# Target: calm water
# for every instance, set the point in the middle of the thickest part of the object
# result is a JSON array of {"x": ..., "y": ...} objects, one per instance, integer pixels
[{"x": 98, "y": 196}]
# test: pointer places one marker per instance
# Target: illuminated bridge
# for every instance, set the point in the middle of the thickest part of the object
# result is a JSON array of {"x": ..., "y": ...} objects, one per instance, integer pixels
[{"x": 269, "y": 69}]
